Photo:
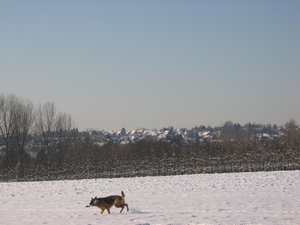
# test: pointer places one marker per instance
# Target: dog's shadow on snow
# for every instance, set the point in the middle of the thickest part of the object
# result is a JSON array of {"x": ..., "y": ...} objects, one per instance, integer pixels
[
  {"x": 131, "y": 211},
  {"x": 136, "y": 211}
]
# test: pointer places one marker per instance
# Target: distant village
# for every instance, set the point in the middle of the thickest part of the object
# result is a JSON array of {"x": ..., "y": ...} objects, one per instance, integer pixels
[
  {"x": 187, "y": 136},
  {"x": 184, "y": 136}
]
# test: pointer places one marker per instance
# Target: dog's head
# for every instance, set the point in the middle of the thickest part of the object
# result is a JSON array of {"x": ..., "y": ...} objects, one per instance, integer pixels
[{"x": 93, "y": 202}]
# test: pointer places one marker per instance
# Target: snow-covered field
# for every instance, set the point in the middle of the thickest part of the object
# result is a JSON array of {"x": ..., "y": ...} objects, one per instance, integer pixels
[{"x": 235, "y": 198}]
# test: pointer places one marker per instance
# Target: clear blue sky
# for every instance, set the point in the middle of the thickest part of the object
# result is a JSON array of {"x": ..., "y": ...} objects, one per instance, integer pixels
[{"x": 154, "y": 64}]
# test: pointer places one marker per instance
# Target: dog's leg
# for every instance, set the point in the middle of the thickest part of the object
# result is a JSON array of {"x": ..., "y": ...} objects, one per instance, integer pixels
[
  {"x": 123, "y": 207},
  {"x": 108, "y": 210},
  {"x": 101, "y": 212}
]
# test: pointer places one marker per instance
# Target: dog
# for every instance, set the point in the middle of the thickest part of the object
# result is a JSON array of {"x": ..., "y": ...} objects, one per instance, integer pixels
[{"x": 107, "y": 202}]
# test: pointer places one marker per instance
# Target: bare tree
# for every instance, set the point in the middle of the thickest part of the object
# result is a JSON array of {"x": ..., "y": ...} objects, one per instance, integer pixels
[
  {"x": 227, "y": 131},
  {"x": 64, "y": 124},
  {"x": 292, "y": 125},
  {"x": 24, "y": 120},
  {"x": 6, "y": 124},
  {"x": 45, "y": 123},
  {"x": 292, "y": 135},
  {"x": 16, "y": 120}
]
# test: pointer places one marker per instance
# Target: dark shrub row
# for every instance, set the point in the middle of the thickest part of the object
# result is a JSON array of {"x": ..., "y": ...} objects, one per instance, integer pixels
[{"x": 158, "y": 158}]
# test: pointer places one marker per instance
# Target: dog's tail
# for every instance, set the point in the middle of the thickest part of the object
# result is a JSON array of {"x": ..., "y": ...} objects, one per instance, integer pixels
[{"x": 123, "y": 195}]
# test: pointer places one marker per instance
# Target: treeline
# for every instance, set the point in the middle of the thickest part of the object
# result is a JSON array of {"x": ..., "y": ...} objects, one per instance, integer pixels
[
  {"x": 64, "y": 153},
  {"x": 158, "y": 158}
]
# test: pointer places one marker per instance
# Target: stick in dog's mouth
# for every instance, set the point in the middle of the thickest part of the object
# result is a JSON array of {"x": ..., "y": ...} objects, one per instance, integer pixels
[{"x": 87, "y": 206}]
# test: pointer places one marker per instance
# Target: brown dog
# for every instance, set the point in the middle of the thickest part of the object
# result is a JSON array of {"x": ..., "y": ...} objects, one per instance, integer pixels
[{"x": 107, "y": 202}]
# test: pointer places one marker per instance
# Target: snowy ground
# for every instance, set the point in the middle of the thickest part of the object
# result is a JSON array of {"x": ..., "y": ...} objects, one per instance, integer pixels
[{"x": 236, "y": 198}]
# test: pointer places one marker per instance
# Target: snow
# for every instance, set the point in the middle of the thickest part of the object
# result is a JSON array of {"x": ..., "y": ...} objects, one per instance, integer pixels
[{"x": 234, "y": 198}]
